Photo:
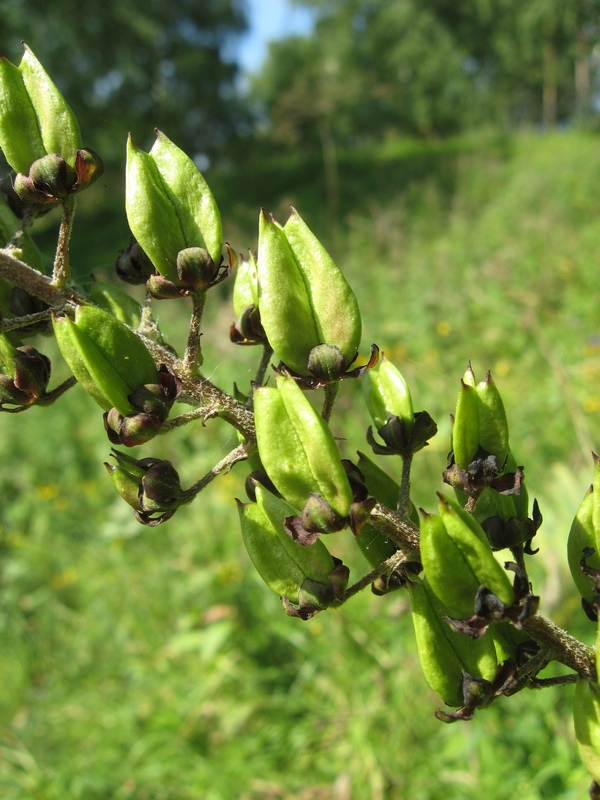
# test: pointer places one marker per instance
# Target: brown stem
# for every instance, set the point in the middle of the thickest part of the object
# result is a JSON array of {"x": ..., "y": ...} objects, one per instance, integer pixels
[
  {"x": 239, "y": 453},
  {"x": 62, "y": 272},
  {"x": 192, "y": 360},
  {"x": 402, "y": 532},
  {"x": 331, "y": 390},
  {"x": 562, "y": 646},
  {"x": 387, "y": 566},
  {"x": 33, "y": 282}
]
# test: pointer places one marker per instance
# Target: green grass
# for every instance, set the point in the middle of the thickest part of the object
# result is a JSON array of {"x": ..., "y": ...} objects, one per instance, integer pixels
[{"x": 153, "y": 664}]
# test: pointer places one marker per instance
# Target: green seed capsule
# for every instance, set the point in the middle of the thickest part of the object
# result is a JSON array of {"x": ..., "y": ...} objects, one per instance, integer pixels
[
  {"x": 57, "y": 123},
  {"x": 169, "y": 206},
  {"x": 304, "y": 300},
  {"x": 284, "y": 565},
  {"x": 20, "y": 135},
  {"x": 585, "y": 533},
  {"x": 465, "y": 430},
  {"x": 479, "y": 422},
  {"x": 457, "y": 560},
  {"x": 245, "y": 287},
  {"x": 297, "y": 448},
  {"x": 493, "y": 425},
  {"x": 586, "y": 716},
  {"x": 445, "y": 654},
  {"x": 107, "y": 358},
  {"x": 386, "y": 392}
]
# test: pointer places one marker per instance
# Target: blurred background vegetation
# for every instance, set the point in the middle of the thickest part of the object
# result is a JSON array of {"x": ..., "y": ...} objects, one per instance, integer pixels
[{"x": 447, "y": 153}]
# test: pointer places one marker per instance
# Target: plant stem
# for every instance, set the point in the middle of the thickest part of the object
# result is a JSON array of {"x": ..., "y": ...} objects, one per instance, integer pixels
[
  {"x": 403, "y": 506},
  {"x": 562, "y": 646},
  {"x": 400, "y": 530},
  {"x": 33, "y": 282},
  {"x": 61, "y": 272},
  {"x": 239, "y": 453},
  {"x": 264, "y": 364},
  {"x": 192, "y": 360},
  {"x": 331, "y": 390},
  {"x": 387, "y": 566}
]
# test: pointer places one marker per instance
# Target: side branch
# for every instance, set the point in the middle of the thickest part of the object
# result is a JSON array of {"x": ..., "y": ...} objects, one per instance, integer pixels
[
  {"x": 400, "y": 530},
  {"x": 562, "y": 646},
  {"x": 33, "y": 282}
]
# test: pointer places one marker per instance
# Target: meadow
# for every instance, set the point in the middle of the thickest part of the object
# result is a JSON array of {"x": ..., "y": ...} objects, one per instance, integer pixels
[{"x": 153, "y": 664}]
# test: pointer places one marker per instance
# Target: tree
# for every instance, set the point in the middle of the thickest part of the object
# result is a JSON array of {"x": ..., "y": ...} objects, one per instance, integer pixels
[
  {"x": 139, "y": 65},
  {"x": 433, "y": 69}
]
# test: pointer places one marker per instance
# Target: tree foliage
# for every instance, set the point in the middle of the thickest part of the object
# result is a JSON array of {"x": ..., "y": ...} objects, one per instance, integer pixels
[
  {"x": 431, "y": 69},
  {"x": 149, "y": 64}
]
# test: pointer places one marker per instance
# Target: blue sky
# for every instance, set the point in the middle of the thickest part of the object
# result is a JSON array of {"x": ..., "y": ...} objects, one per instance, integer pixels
[{"x": 268, "y": 20}]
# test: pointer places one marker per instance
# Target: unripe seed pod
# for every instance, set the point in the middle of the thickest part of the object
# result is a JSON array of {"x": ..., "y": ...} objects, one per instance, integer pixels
[
  {"x": 24, "y": 373},
  {"x": 457, "y": 559},
  {"x": 446, "y": 655},
  {"x": 150, "y": 486},
  {"x": 586, "y": 716},
  {"x": 57, "y": 123},
  {"x": 20, "y": 135},
  {"x": 107, "y": 358},
  {"x": 387, "y": 393},
  {"x": 304, "y": 300},
  {"x": 585, "y": 534},
  {"x": 297, "y": 448},
  {"x": 245, "y": 287},
  {"x": 493, "y": 425},
  {"x": 284, "y": 565},
  {"x": 170, "y": 206},
  {"x": 117, "y": 302},
  {"x": 479, "y": 422}
]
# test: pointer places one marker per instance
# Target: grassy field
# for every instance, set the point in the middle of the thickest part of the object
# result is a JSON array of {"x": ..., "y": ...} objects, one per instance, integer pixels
[{"x": 152, "y": 664}]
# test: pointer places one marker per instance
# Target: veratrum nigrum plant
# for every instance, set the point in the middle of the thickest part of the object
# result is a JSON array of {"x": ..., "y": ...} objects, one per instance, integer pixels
[{"x": 462, "y": 562}]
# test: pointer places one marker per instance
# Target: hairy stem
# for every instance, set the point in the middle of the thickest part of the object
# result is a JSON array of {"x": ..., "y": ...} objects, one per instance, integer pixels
[
  {"x": 387, "y": 566},
  {"x": 192, "y": 360},
  {"x": 400, "y": 530},
  {"x": 331, "y": 390},
  {"x": 20, "y": 274},
  {"x": 404, "y": 494},
  {"x": 239, "y": 453},
  {"x": 562, "y": 646},
  {"x": 62, "y": 272}
]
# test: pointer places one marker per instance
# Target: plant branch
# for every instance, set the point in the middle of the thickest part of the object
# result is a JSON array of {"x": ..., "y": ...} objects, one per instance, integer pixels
[
  {"x": 562, "y": 646},
  {"x": 386, "y": 567},
  {"x": 20, "y": 274},
  {"x": 397, "y": 528},
  {"x": 331, "y": 390},
  {"x": 193, "y": 353},
  {"x": 62, "y": 272},
  {"x": 239, "y": 453}
]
